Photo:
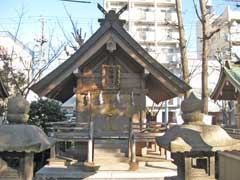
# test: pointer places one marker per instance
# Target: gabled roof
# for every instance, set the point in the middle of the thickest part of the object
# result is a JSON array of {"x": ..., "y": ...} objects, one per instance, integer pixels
[
  {"x": 228, "y": 83},
  {"x": 111, "y": 30}
]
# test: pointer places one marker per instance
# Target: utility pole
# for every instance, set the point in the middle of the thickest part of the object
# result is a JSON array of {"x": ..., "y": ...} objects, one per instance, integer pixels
[{"x": 182, "y": 44}]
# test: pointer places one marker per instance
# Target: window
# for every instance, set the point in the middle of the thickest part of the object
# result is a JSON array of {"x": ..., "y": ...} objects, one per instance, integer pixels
[
  {"x": 143, "y": 35},
  {"x": 170, "y": 50},
  {"x": 111, "y": 77}
]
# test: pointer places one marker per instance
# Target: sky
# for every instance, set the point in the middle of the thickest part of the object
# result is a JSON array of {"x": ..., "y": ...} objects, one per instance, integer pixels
[{"x": 85, "y": 15}]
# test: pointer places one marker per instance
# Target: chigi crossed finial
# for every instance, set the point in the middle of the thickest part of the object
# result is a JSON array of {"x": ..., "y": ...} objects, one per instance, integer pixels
[{"x": 112, "y": 15}]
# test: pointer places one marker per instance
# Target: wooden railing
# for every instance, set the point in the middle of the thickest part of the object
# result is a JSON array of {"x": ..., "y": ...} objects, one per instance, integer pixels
[
  {"x": 82, "y": 129},
  {"x": 84, "y": 132},
  {"x": 64, "y": 131},
  {"x": 149, "y": 127}
]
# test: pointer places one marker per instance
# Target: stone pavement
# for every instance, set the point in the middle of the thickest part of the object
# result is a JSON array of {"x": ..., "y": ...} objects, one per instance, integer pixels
[
  {"x": 151, "y": 167},
  {"x": 151, "y": 171}
]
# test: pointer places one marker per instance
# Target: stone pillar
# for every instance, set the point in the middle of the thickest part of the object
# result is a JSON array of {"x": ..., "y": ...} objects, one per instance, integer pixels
[
  {"x": 187, "y": 168},
  {"x": 179, "y": 160},
  {"x": 26, "y": 166},
  {"x": 238, "y": 112},
  {"x": 211, "y": 165}
]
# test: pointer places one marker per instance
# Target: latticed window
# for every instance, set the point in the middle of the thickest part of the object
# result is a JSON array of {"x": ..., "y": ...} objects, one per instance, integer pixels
[{"x": 111, "y": 76}]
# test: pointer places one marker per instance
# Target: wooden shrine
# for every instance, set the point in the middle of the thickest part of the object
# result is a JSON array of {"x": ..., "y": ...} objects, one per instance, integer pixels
[
  {"x": 111, "y": 74},
  {"x": 228, "y": 86}
]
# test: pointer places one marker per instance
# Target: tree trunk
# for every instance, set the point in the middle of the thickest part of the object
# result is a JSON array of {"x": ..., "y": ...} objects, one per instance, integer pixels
[
  {"x": 204, "y": 22},
  {"x": 182, "y": 44}
]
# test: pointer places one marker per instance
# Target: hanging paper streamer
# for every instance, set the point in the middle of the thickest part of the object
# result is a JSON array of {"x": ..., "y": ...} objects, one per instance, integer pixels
[
  {"x": 89, "y": 97},
  {"x": 85, "y": 100},
  {"x": 132, "y": 99},
  {"x": 118, "y": 97},
  {"x": 101, "y": 98}
]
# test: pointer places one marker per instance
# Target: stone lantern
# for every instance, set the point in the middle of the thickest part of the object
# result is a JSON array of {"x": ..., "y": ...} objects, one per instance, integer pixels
[
  {"x": 19, "y": 142},
  {"x": 193, "y": 145}
]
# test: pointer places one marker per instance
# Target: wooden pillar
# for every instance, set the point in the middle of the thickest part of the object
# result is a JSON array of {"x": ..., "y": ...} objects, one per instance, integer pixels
[
  {"x": 57, "y": 148},
  {"x": 82, "y": 108},
  {"x": 129, "y": 138},
  {"x": 133, "y": 165},
  {"x": 79, "y": 107},
  {"x": 143, "y": 103}
]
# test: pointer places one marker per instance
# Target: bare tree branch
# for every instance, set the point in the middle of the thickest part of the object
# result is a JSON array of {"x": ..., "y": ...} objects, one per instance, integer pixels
[
  {"x": 77, "y": 34},
  {"x": 212, "y": 33}
]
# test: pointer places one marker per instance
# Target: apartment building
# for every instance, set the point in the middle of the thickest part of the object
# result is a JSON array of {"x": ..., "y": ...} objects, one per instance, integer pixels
[
  {"x": 152, "y": 23},
  {"x": 227, "y": 40}
]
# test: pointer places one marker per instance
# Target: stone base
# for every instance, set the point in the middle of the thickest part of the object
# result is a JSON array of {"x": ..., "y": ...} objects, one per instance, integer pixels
[
  {"x": 90, "y": 166},
  {"x": 139, "y": 148},
  {"x": 56, "y": 162},
  {"x": 133, "y": 166}
]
